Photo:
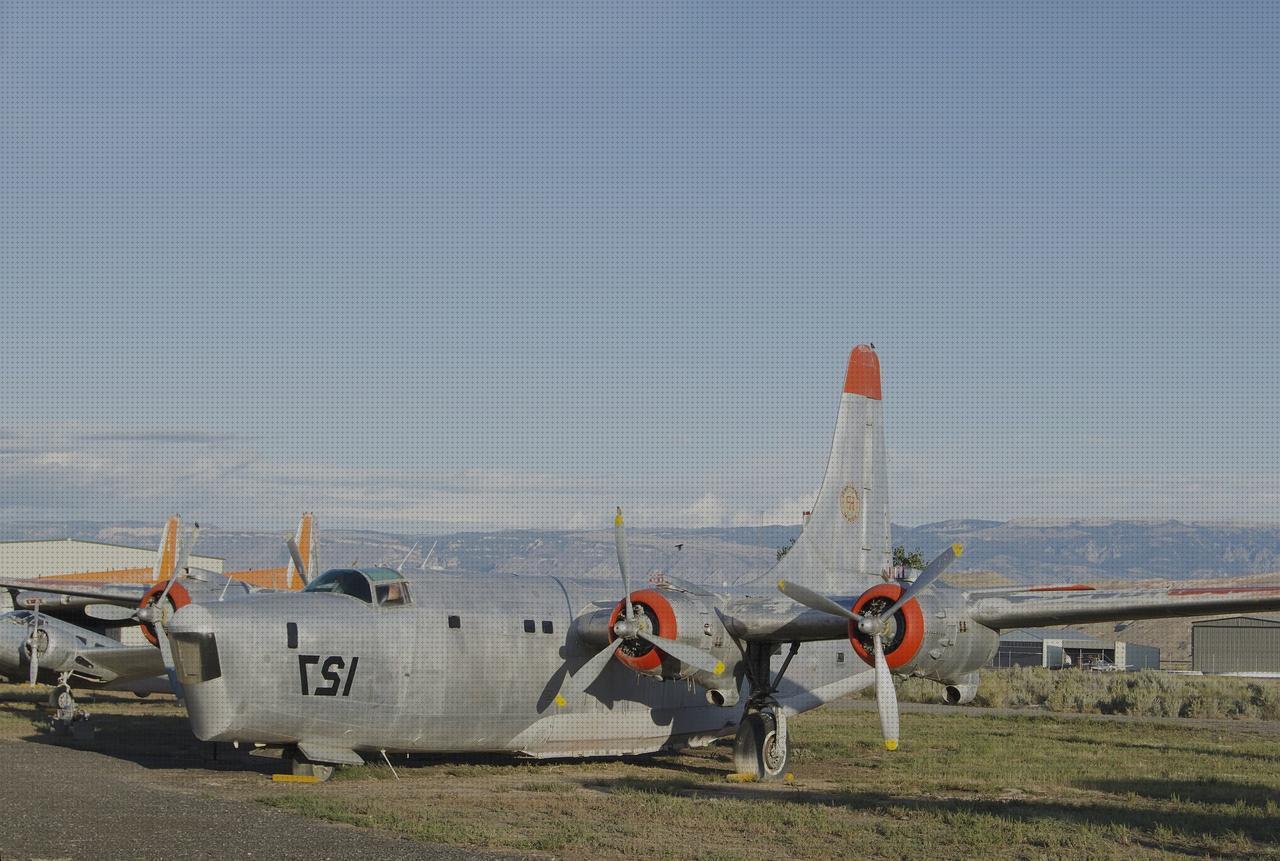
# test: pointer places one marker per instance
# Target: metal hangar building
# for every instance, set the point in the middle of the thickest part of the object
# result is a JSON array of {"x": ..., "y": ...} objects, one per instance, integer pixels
[
  {"x": 1063, "y": 647},
  {"x": 1249, "y": 645}
]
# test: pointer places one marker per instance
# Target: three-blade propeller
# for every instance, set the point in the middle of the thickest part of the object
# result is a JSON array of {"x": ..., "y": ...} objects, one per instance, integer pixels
[
  {"x": 875, "y": 627},
  {"x": 632, "y": 626},
  {"x": 152, "y": 613}
]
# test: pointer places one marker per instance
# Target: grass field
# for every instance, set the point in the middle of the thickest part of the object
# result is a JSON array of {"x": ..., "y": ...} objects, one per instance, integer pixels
[{"x": 963, "y": 784}]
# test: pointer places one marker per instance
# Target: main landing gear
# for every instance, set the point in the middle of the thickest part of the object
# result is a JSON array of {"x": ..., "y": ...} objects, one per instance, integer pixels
[{"x": 762, "y": 749}]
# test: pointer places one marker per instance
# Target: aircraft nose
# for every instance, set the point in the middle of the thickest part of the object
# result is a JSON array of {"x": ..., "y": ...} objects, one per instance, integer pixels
[
  {"x": 195, "y": 646},
  {"x": 193, "y": 619}
]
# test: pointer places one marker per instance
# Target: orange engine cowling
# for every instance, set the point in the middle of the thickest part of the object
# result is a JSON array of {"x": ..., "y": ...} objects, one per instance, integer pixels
[
  {"x": 177, "y": 598},
  {"x": 637, "y": 654},
  {"x": 902, "y": 643}
]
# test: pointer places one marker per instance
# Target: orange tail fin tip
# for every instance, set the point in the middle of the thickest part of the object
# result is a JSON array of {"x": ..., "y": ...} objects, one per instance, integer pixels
[{"x": 863, "y": 376}]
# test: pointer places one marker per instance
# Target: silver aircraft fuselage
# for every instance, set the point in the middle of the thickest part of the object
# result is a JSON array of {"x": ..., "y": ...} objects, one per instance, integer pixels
[{"x": 458, "y": 669}]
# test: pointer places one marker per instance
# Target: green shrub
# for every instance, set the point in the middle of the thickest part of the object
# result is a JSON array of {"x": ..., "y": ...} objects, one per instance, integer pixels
[{"x": 1141, "y": 694}]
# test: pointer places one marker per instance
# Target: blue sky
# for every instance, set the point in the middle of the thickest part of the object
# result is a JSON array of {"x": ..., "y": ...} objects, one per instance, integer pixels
[{"x": 509, "y": 265}]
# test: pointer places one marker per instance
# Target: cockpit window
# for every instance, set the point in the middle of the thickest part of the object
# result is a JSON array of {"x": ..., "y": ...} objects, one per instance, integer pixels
[
  {"x": 351, "y": 583},
  {"x": 393, "y": 594},
  {"x": 372, "y": 585}
]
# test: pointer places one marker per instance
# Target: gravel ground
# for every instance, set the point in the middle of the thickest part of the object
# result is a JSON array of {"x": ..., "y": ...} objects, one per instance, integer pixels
[{"x": 64, "y": 803}]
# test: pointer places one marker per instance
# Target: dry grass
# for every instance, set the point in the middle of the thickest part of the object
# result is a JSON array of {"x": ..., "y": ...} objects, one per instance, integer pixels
[{"x": 961, "y": 786}]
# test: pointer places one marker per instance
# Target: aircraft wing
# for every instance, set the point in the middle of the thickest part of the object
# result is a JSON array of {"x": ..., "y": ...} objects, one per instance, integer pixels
[
  {"x": 1069, "y": 605},
  {"x": 124, "y": 594},
  {"x": 120, "y": 662}
]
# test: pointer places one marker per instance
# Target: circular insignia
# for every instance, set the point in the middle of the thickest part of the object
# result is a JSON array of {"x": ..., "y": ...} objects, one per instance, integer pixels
[{"x": 850, "y": 504}]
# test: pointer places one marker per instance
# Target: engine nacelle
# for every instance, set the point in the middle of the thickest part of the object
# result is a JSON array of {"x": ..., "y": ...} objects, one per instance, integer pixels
[
  {"x": 675, "y": 616},
  {"x": 57, "y": 649},
  {"x": 930, "y": 636},
  {"x": 175, "y": 598}
]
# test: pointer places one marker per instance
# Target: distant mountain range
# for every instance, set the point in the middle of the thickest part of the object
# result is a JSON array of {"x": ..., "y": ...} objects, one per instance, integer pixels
[{"x": 1017, "y": 551}]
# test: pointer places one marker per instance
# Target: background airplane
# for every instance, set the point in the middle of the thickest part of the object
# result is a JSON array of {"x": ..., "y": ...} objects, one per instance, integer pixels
[
  {"x": 367, "y": 660},
  {"x": 60, "y": 631}
]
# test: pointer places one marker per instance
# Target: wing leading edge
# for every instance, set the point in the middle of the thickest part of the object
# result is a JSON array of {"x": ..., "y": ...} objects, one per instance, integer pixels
[{"x": 1069, "y": 605}]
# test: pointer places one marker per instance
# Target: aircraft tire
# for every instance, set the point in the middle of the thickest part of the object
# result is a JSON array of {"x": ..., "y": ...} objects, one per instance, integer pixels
[
  {"x": 756, "y": 749},
  {"x": 61, "y": 697}
]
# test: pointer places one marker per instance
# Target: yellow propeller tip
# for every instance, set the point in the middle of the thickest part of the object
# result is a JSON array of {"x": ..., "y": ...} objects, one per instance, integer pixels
[
  {"x": 890, "y": 744},
  {"x": 782, "y": 584},
  {"x": 617, "y": 521},
  {"x": 957, "y": 549},
  {"x": 560, "y": 700}
]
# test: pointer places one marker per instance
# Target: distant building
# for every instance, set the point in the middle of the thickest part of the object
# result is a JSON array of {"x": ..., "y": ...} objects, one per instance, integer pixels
[
  {"x": 1238, "y": 644},
  {"x": 1060, "y": 647}
]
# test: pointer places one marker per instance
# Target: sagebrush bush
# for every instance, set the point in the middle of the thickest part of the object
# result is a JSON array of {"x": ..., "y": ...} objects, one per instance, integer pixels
[{"x": 1144, "y": 694}]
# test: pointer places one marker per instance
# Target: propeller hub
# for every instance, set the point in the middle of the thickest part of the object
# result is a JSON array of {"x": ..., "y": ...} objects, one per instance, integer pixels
[
  {"x": 872, "y": 625},
  {"x": 629, "y": 629}
]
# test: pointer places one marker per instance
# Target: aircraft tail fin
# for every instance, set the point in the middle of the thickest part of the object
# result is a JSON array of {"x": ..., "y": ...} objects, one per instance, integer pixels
[
  {"x": 844, "y": 543},
  {"x": 305, "y": 539},
  {"x": 167, "y": 552}
]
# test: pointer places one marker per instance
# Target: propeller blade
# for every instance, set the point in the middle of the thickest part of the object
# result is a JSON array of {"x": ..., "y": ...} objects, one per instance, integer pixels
[
  {"x": 110, "y": 612},
  {"x": 296, "y": 555},
  {"x": 620, "y": 541},
  {"x": 165, "y": 593},
  {"x": 690, "y": 655},
  {"x": 166, "y": 655},
  {"x": 184, "y": 559},
  {"x": 931, "y": 572},
  {"x": 814, "y": 601},
  {"x": 587, "y": 673},
  {"x": 886, "y": 698},
  {"x": 33, "y": 639}
]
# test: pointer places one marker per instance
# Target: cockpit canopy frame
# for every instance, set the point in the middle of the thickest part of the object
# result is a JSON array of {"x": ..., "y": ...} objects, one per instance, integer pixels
[{"x": 382, "y": 587}]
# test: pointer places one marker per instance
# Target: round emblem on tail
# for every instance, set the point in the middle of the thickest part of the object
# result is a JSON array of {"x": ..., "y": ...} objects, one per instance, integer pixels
[{"x": 850, "y": 504}]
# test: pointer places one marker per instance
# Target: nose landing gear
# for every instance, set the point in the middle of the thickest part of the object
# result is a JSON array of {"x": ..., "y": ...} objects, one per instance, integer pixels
[{"x": 68, "y": 718}]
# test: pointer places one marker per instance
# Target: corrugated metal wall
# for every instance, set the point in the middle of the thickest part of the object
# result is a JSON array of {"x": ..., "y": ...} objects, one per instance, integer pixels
[
  {"x": 1019, "y": 653},
  {"x": 1238, "y": 645}
]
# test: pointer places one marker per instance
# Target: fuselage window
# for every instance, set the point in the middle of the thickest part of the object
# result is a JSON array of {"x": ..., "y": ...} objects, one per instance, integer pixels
[
  {"x": 529, "y": 627},
  {"x": 393, "y": 594},
  {"x": 455, "y": 622},
  {"x": 547, "y": 627}
]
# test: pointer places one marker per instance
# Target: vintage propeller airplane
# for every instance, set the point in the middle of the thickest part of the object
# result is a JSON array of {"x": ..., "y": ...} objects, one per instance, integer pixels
[
  {"x": 367, "y": 660},
  {"x": 60, "y": 629}
]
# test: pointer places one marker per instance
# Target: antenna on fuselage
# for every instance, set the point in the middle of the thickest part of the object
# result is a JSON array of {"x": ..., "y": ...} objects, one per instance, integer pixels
[
  {"x": 400, "y": 567},
  {"x": 426, "y": 562}
]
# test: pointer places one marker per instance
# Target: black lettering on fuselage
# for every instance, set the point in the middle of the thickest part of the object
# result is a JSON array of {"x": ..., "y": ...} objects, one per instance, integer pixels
[
  {"x": 330, "y": 671},
  {"x": 303, "y": 662}
]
